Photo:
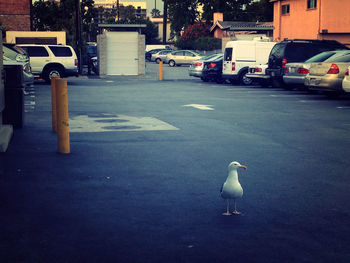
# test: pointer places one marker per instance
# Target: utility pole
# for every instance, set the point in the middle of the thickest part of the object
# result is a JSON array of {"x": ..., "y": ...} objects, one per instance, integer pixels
[
  {"x": 165, "y": 14},
  {"x": 78, "y": 34},
  {"x": 118, "y": 13}
]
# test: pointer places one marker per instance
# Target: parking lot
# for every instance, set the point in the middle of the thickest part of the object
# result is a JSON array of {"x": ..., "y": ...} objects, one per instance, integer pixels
[{"x": 147, "y": 162}]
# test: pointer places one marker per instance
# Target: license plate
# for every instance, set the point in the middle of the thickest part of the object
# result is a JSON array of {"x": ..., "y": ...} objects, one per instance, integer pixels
[
  {"x": 314, "y": 81},
  {"x": 252, "y": 70},
  {"x": 292, "y": 70}
]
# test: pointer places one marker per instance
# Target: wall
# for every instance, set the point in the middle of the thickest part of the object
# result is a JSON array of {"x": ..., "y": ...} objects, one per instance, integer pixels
[
  {"x": 15, "y": 14},
  {"x": 330, "y": 15},
  {"x": 102, "y": 54},
  {"x": 141, "y": 54},
  {"x": 299, "y": 23},
  {"x": 60, "y": 35}
]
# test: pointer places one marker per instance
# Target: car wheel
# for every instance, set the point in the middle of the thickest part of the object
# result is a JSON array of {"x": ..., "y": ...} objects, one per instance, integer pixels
[
  {"x": 204, "y": 79},
  {"x": 172, "y": 63},
  {"x": 244, "y": 80},
  {"x": 158, "y": 60},
  {"x": 52, "y": 72}
]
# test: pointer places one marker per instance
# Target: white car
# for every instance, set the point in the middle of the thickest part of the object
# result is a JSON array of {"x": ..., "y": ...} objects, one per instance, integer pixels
[
  {"x": 346, "y": 81},
  {"x": 257, "y": 73},
  {"x": 52, "y": 60}
]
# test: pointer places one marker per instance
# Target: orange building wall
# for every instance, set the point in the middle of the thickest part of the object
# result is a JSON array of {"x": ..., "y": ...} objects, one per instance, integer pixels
[
  {"x": 299, "y": 23},
  {"x": 335, "y": 16},
  {"x": 332, "y": 15}
]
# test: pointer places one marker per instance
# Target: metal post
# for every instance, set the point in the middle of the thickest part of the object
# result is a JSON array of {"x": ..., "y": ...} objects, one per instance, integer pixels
[
  {"x": 62, "y": 116},
  {"x": 161, "y": 70}
]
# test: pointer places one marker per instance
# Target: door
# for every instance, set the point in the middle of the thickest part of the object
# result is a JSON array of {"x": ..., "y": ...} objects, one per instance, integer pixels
[{"x": 122, "y": 53}]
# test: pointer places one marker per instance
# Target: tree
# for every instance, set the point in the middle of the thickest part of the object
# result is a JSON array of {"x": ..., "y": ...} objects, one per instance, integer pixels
[
  {"x": 127, "y": 13},
  {"x": 181, "y": 13},
  {"x": 48, "y": 15}
]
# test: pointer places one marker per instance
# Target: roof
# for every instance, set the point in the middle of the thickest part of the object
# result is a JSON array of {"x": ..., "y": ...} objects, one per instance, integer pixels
[{"x": 240, "y": 25}]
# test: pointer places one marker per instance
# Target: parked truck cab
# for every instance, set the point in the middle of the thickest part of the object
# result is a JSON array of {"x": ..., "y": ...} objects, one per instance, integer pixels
[{"x": 241, "y": 54}]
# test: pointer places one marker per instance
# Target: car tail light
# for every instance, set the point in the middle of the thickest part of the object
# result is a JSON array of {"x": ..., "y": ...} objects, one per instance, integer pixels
[
  {"x": 347, "y": 72},
  {"x": 334, "y": 69},
  {"x": 26, "y": 68},
  {"x": 197, "y": 64},
  {"x": 233, "y": 66},
  {"x": 258, "y": 69},
  {"x": 303, "y": 71},
  {"x": 75, "y": 62},
  {"x": 211, "y": 65},
  {"x": 284, "y": 62}
]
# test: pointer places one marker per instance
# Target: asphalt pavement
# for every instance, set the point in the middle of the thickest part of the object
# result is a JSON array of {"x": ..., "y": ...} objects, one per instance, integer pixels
[{"x": 147, "y": 161}]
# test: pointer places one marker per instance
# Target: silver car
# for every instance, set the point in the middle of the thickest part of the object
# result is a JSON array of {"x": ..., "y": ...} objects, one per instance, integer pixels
[
  {"x": 295, "y": 73},
  {"x": 327, "y": 76},
  {"x": 160, "y": 55},
  {"x": 28, "y": 77},
  {"x": 181, "y": 57}
]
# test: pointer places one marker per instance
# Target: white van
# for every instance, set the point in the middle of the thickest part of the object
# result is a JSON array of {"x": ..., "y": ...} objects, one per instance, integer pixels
[
  {"x": 241, "y": 54},
  {"x": 150, "y": 47}
]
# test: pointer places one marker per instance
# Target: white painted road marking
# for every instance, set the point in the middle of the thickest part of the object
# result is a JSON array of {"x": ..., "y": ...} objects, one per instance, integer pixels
[
  {"x": 112, "y": 122},
  {"x": 199, "y": 106}
]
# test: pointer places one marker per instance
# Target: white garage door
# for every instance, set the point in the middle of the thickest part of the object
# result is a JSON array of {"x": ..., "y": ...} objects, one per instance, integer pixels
[{"x": 122, "y": 53}]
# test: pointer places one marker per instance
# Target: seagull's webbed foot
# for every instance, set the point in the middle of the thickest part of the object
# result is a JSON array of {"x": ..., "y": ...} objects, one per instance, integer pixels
[{"x": 226, "y": 214}]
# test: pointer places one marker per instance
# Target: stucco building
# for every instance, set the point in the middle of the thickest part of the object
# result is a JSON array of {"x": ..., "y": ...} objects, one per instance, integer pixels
[{"x": 313, "y": 19}]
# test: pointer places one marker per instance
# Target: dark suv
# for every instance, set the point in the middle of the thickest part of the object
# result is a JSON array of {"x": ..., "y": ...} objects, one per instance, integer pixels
[{"x": 295, "y": 50}]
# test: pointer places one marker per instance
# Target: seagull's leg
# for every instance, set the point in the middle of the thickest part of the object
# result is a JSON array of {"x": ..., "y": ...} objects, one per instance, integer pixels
[
  {"x": 227, "y": 213},
  {"x": 236, "y": 212}
]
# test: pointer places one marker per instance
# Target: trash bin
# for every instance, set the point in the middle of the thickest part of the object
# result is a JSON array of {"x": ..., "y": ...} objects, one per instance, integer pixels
[{"x": 13, "y": 112}]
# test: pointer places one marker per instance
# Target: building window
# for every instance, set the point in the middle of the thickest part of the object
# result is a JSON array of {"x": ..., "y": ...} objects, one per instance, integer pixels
[
  {"x": 311, "y": 4},
  {"x": 285, "y": 9}
]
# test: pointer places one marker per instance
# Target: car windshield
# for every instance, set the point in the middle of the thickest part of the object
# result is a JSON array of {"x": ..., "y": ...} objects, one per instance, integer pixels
[{"x": 321, "y": 57}]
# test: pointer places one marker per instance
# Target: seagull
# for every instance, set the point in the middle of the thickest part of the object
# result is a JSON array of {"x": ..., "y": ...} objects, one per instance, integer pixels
[{"x": 232, "y": 189}]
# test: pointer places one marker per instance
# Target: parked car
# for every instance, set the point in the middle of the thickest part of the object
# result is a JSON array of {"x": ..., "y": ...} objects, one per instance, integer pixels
[
  {"x": 181, "y": 57},
  {"x": 241, "y": 54},
  {"x": 327, "y": 76},
  {"x": 13, "y": 52},
  {"x": 295, "y": 72},
  {"x": 196, "y": 67},
  {"x": 257, "y": 73},
  {"x": 295, "y": 50},
  {"x": 212, "y": 69},
  {"x": 155, "y": 46},
  {"x": 346, "y": 81},
  {"x": 52, "y": 60},
  {"x": 160, "y": 55},
  {"x": 149, "y": 54},
  {"x": 28, "y": 77}
]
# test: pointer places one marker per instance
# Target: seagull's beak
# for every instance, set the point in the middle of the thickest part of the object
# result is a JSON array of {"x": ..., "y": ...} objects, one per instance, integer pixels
[{"x": 244, "y": 167}]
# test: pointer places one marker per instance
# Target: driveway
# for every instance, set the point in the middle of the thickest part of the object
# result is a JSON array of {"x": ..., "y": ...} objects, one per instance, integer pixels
[{"x": 147, "y": 162}]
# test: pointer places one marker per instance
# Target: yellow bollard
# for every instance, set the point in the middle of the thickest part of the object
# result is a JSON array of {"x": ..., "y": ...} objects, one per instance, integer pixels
[
  {"x": 53, "y": 104},
  {"x": 62, "y": 116},
  {"x": 161, "y": 70}
]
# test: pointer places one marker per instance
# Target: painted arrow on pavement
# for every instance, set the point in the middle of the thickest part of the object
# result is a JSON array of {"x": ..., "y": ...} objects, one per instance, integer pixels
[{"x": 199, "y": 106}]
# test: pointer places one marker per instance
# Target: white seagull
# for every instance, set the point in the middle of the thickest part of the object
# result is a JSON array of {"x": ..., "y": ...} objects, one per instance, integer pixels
[{"x": 232, "y": 189}]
